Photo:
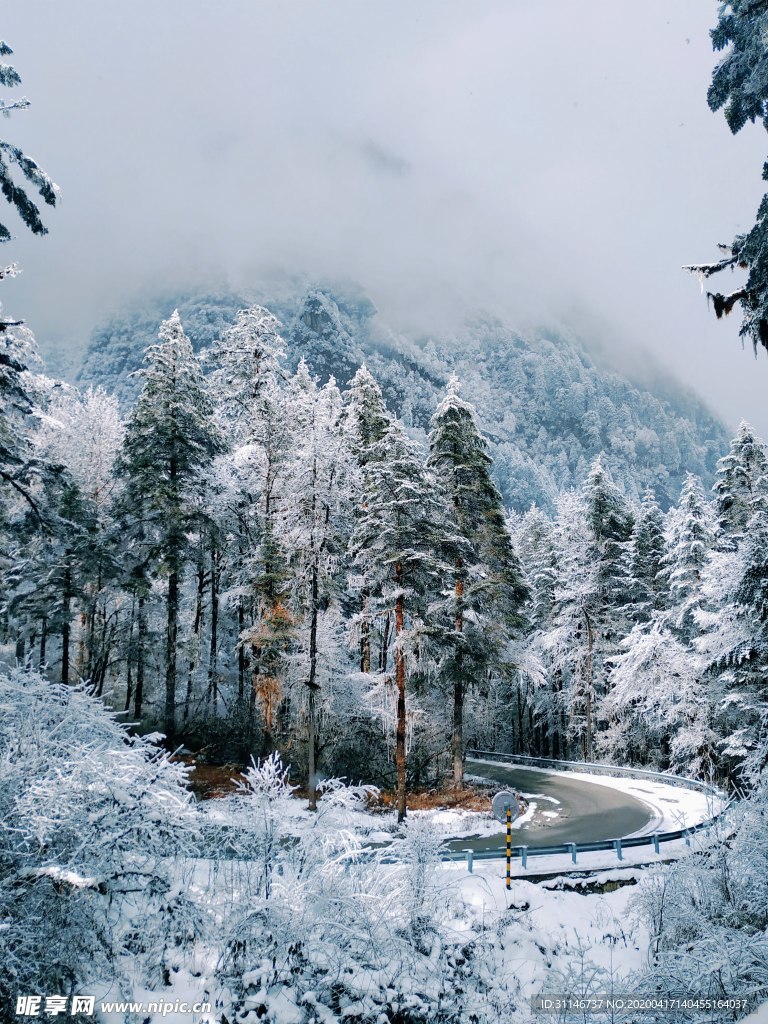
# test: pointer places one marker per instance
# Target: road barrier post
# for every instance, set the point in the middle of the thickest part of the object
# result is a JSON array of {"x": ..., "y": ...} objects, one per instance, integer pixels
[
  {"x": 470, "y": 859},
  {"x": 573, "y": 851},
  {"x": 617, "y": 847},
  {"x": 656, "y": 841},
  {"x": 509, "y": 847}
]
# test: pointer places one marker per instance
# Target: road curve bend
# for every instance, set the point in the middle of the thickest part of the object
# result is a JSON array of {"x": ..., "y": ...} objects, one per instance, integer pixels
[{"x": 586, "y": 811}]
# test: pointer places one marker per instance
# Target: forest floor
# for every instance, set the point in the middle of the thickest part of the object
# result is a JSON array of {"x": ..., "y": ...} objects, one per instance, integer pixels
[{"x": 216, "y": 781}]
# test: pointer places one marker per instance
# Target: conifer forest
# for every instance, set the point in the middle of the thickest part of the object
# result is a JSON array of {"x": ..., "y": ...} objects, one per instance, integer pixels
[{"x": 292, "y": 585}]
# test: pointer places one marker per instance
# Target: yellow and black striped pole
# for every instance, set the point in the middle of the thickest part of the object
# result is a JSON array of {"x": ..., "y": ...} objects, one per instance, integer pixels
[{"x": 509, "y": 847}]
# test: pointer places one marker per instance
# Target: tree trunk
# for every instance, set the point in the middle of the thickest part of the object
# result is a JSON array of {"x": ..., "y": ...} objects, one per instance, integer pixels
[
  {"x": 400, "y": 681},
  {"x": 240, "y": 652},
  {"x": 313, "y": 687},
  {"x": 65, "y": 643},
  {"x": 384, "y": 649},
  {"x": 457, "y": 740},
  {"x": 141, "y": 632},
  {"x": 213, "y": 683},
  {"x": 43, "y": 641},
  {"x": 196, "y": 629},
  {"x": 171, "y": 635},
  {"x": 129, "y": 659},
  {"x": 588, "y": 693},
  {"x": 458, "y": 726},
  {"x": 365, "y": 636}
]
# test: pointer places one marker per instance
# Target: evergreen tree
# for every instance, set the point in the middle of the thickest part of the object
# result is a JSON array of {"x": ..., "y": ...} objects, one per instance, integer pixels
[
  {"x": 247, "y": 362},
  {"x": 169, "y": 443},
  {"x": 644, "y": 580},
  {"x": 740, "y": 87},
  {"x": 742, "y": 477},
  {"x": 536, "y": 542},
  {"x": 657, "y": 706},
  {"x": 689, "y": 542},
  {"x": 10, "y": 156},
  {"x": 569, "y": 646},
  {"x": 734, "y": 645},
  {"x": 484, "y": 603},
  {"x": 315, "y": 525},
  {"x": 250, "y": 481},
  {"x": 393, "y": 549},
  {"x": 365, "y": 421},
  {"x": 610, "y": 524},
  {"x": 610, "y": 521}
]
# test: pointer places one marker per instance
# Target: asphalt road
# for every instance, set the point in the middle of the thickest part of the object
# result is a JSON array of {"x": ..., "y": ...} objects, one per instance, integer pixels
[{"x": 587, "y": 812}]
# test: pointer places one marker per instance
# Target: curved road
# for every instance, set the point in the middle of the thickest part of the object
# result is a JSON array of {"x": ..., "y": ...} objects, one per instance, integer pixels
[{"x": 587, "y": 812}]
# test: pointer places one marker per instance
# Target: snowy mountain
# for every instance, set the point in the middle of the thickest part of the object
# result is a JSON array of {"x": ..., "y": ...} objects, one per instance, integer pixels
[{"x": 547, "y": 405}]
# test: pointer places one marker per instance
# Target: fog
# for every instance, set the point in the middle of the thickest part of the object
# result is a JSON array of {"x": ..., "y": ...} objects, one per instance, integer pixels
[{"x": 549, "y": 162}]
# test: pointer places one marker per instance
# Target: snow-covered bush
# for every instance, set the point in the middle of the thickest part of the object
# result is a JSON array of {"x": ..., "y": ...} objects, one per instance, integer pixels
[
  {"x": 708, "y": 913},
  {"x": 339, "y": 931},
  {"x": 89, "y": 821}
]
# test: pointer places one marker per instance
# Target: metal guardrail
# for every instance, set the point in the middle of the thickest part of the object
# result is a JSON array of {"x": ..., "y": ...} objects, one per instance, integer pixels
[{"x": 655, "y": 839}]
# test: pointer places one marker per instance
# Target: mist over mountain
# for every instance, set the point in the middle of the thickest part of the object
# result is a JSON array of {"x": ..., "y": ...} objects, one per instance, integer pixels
[{"x": 547, "y": 404}]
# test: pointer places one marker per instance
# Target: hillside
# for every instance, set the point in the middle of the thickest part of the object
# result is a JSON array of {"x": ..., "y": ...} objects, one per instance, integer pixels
[{"x": 546, "y": 405}]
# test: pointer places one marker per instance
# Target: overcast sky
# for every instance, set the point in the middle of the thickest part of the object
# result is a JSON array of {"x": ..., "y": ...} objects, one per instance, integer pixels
[{"x": 548, "y": 161}]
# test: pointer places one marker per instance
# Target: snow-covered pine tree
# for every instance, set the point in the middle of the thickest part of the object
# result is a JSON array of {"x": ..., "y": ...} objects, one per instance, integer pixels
[
  {"x": 535, "y": 539},
  {"x": 734, "y": 646},
  {"x": 315, "y": 525},
  {"x": 740, "y": 86},
  {"x": 690, "y": 537},
  {"x": 82, "y": 433},
  {"x": 742, "y": 477},
  {"x": 610, "y": 524},
  {"x": 393, "y": 547},
  {"x": 247, "y": 362},
  {"x": 644, "y": 581},
  {"x": 10, "y": 156},
  {"x": 657, "y": 706},
  {"x": 365, "y": 420},
  {"x": 169, "y": 443},
  {"x": 483, "y": 604},
  {"x": 253, "y": 478},
  {"x": 567, "y": 647}
]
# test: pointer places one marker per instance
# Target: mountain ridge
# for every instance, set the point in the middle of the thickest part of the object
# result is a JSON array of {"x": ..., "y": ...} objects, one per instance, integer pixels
[{"x": 545, "y": 405}]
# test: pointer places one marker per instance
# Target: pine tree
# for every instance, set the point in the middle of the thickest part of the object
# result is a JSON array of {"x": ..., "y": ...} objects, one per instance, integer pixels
[
  {"x": 392, "y": 546},
  {"x": 740, "y": 87},
  {"x": 247, "y": 363},
  {"x": 568, "y": 646},
  {"x": 742, "y": 477},
  {"x": 484, "y": 603},
  {"x": 11, "y": 155},
  {"x": 250, "y": 481},
  {"x": 734, "y": 645},
  {"x": 536, "y": 542},
  {"x": 315, "y": 525},
  {"x": 169, "y": 443},
  {"x": 365, "y": 421},
  {"x": 610, "y": 524},
  {"x": 644, "y": 580},
  {"x": 689, "y": 542}
]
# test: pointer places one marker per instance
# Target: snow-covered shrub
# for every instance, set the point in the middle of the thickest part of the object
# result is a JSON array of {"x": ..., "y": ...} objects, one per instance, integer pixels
[
  {"x": 340, "y": 932},
  {"x": 708, "y": 913},
  {"x": 89, "y": 821}
]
